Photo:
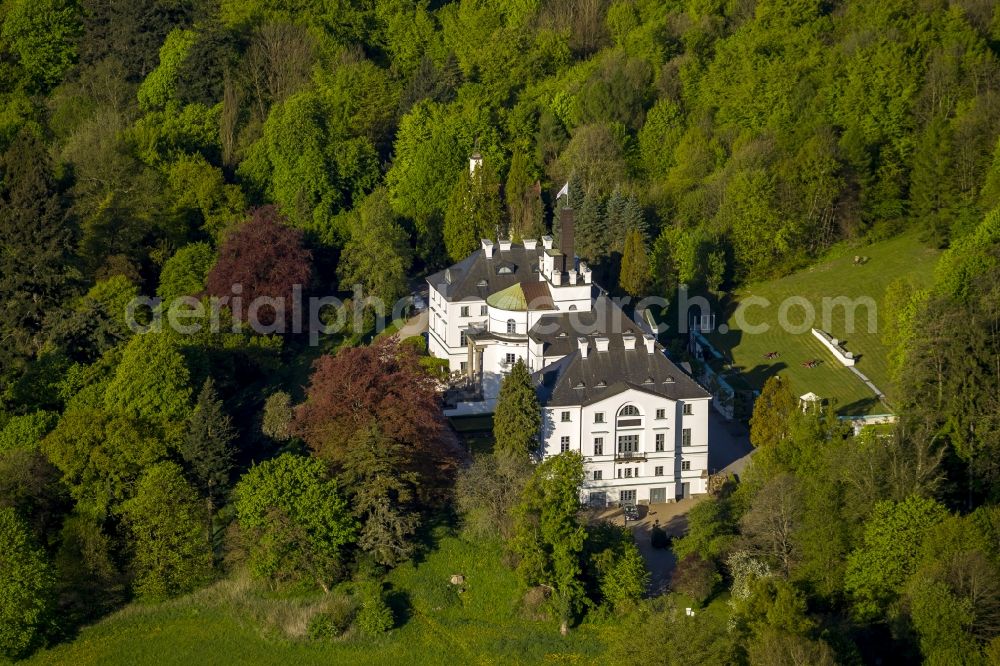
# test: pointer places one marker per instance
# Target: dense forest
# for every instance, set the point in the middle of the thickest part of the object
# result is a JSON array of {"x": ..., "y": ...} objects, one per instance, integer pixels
[{"x": 176, "y": 148}]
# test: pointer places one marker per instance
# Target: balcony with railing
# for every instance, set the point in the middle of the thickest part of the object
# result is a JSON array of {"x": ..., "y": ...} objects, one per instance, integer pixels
[{"x": 630, "y": 456}]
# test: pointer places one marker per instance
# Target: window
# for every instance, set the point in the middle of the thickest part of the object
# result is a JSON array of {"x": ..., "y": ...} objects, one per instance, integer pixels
[
  {"x": 465, "y": 366},
  {"x": 686, "y": 437},
  {"x": 598, "y": 475},
  {"x": 564, "y": 417},
  {"x": 511, "y": 359},
  {"x": 598, "y": 417},
  {"x": 688, "y": 409},
  {"x": 628, "y": 417},
  {"x": 482, "y": 310},
  {"x": 686, "y": 465},
  {"x": 463, "y": 339},
  {"x": 628, "y": 443},
  {"x": 465, "y": 311},
  {"x": 628, "y": 472},
  {"x": 598, "y": 446},
  {"x": 661, "y": 414},
  {"x": 660, "y": 441},
  {"x": 619, "y": 473},
  {"x": 658, "y": 470},
  {"x": 564, "y": 445},
  {"x": 572, "y": 308},
  {"x": 627, "y": 496}
]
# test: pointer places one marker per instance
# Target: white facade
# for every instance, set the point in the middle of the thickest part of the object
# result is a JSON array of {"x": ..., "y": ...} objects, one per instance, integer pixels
[
  {"x": 511, "y": 302},
  {"x": 636, "y": 446}
]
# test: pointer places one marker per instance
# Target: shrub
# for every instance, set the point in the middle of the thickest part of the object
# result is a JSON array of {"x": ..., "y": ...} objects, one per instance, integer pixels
[
  {"x": 695, "y": 577},
  {"x": 333, "y": 621},
  {"x": 374, "y": 617}
]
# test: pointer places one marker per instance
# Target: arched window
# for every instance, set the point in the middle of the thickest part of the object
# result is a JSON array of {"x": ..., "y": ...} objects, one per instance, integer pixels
[
  {"x": 629, "y": 417},
  {"x": 511, "y": 326},
  {"x": 572, "y": 308}
]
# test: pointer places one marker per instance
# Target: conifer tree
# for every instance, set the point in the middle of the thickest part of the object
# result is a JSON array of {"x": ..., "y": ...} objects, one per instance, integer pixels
[
  {"x": 517, "y": 419},
  {"x": 524, "y": 202},
  {"x": 207, "y": 448},
  {"x": 591, "y": 232},
  {"x": 36, "y": 243},
  {"x": 614, "y": 210},
  {"x": 933, "y": 193},
  {"x": 473, "y": 212},
  {"x": 635, "y": 276}
]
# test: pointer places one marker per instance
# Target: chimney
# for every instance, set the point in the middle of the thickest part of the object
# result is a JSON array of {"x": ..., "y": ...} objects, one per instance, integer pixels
[
  {"x": 505, "y": 245},
  {"x": 547, "y": 242},
  {"x": 530, "y": 243},
  {"x": 488, "y": 248},
  {"x": 581, "y": 343},
  {"x": 566, "y": 239},
  {"x": 602, "y": 344},
  {"x": 628, "y": 340},
  {"x": 475, "y": 161},
  {"x": 650, "y": 343}
]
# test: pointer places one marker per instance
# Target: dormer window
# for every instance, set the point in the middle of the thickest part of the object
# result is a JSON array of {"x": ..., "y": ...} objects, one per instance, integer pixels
[
  {"x": 505, "y": 268},
  {"x": 482, "y": 284}
]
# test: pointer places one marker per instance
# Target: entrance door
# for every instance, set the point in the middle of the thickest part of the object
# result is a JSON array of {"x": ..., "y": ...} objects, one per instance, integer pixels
[
  {"x": 626, "y": 496},
  {"x": 685, "y": 490},
  {"x": 599, "y": 499},
  {"x": 657, "y": 495}
]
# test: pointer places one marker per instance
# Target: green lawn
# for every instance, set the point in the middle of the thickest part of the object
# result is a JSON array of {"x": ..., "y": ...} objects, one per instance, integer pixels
[
  {"x": 832, "y": 278},
  {"x": 228, "y": 622}
]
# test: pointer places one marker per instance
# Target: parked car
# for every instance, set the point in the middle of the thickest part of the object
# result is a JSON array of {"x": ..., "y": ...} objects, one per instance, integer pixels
[{"x": 631, "y": 512}]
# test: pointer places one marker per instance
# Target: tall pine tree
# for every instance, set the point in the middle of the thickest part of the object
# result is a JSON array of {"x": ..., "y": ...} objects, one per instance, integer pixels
[
  {"x": 207, "y": 448},
  {"x": 37, "y": 270},
  {"x": 518, "y": 417},
  {"x": 635, "y": 277},
  {"x": 524, "y": 201},
  {"x": 933, "y": 191},
  {"x": 473, "y": 212}
]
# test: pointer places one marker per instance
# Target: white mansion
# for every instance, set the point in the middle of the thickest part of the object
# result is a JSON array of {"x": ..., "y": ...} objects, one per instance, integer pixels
[{"x": 606, "y": 388}]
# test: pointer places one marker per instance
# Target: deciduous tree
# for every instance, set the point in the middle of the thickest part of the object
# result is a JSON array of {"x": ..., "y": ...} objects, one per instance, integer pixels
[
  {"x": 296, "y": 519},
  {"x": 26, "y": 587},
  {"x": 263, "y": 258},
  {"x": 548, "y": 536},
  {"x": 170, "y": 552}
]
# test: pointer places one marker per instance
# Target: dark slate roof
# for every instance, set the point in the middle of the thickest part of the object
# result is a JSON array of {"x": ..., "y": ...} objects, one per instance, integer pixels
[
  {"x": 575, "y": 380},
  {"x": 477, "y": 276},
  {"x": 582, "y": 381},
  {"x": 558, "y": 332}
]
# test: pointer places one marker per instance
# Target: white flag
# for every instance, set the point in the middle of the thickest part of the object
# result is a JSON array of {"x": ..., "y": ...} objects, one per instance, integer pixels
[{"x": 564, "y": 192}]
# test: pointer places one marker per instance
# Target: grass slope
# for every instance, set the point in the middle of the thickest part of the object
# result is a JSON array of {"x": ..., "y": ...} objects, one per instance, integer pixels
[
  {"x": 226, "y": 624},
  {"x": 838, "y": 276}
]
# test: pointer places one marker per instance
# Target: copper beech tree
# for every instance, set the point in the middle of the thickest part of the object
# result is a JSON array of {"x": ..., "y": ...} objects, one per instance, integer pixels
[
  {"x": 374, "y": 414},
  {"x": 266, "y": 258}
]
